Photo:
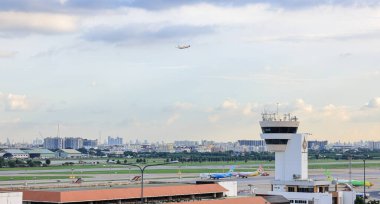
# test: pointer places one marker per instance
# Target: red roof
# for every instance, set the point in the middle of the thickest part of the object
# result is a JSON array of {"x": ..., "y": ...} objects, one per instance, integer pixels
[
  {"x": 118, "y": 193},
  {"x": 245, "y": 200}
]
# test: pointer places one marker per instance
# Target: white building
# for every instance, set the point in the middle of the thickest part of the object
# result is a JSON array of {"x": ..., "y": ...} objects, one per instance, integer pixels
[
  {"x": 15, "y": 153},
  {"x": 291, "y": 164},
  {"x": 11, "y": 197},
  {"x": 67, "y": 153}
]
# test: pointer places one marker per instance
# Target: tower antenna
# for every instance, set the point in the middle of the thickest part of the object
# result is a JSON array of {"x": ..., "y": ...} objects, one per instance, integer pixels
[{"x": 277, "y": 108}]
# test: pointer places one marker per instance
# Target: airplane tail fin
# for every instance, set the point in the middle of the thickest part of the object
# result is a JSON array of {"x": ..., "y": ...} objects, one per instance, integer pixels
[
  {"x": 260, "y": 169},
  {"x": 232, "y": 169}
]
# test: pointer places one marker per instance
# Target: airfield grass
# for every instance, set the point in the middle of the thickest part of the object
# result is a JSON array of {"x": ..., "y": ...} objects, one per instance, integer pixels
[
  {"x": 313, "y": 164},
  {"x": 22, "y": 178},
  {"x": 202, "y": 170}
]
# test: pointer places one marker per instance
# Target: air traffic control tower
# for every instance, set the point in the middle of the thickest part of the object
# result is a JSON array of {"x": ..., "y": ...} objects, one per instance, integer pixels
[
  {"x": 291, "y": 164},
  {"x": 280, "y": 135}
]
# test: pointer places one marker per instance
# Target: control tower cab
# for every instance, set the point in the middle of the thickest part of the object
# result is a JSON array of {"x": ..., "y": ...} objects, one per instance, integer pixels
[{"x": 280, "y": 135}]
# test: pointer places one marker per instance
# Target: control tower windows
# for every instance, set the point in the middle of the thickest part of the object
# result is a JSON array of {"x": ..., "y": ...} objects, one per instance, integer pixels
[
  {"x": 279, "y": 129},
  {"x": 276, "y": 141}
]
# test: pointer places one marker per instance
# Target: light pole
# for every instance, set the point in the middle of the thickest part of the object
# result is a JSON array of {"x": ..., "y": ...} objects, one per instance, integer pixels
[{"x": 142, "y": 169}]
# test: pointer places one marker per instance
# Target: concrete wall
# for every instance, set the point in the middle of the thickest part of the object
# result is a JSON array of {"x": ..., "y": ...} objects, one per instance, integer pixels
[
  {"x": 293, "y": 160},
  {"x": 231, "y": 186},
  {"x": 349, "y": 197},
  {"x": 318, "y": 198},
  {"x": 11, "y": 197}
]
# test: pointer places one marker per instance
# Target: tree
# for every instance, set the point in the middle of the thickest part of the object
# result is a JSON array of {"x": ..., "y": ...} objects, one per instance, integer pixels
[
  {"x": 2, "y": 162},
  {"x": 11, "y": 163},
  {"x": 47, "y": 161},
  {"x": 359, "y": 200},
  {"x": 125, "y": 161},
  {"x": 83, "y": 150},
  {"x": 118, "y": 162}
]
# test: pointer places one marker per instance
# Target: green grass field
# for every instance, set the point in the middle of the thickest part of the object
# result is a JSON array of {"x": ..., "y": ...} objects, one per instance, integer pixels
[
  {"x": 203, "y": 170},
  {"x": 313, "y": 164},
  {"x": 22, "y": 178}
]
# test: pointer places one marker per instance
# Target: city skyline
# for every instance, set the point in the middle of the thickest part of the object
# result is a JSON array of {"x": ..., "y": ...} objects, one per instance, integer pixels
[{"x": 101, "y": 67}]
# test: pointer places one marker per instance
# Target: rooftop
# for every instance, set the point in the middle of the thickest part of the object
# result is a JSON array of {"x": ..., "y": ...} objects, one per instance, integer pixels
[
  {"x": 14, "y": 151},
  {"x": 245, "y": 200},
  {"x": 38, "y": 151},
  {"x": 69, "y": 195},
  {"x": 69, "y": 151}
]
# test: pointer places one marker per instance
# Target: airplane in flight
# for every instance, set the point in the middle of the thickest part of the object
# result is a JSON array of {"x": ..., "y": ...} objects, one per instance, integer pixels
[
  {"x": 183, "y": 47},
  {"x": 353, "y": 182},
  {"x": 258, "y": 172},
  {"x": 227, "y": 174}
]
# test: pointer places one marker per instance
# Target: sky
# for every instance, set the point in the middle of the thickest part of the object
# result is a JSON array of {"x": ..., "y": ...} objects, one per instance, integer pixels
[{"x": 100, "y": 68}]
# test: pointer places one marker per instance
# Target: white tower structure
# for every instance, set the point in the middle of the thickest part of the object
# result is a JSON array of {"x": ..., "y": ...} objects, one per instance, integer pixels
[
  {"x": 291, "y": 164},
  {"x": 280, "y": 135}
]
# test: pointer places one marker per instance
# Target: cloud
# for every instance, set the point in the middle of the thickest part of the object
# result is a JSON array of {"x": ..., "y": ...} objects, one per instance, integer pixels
[
  {"x": 173, "y": 118},
  {"x": 339, "y": 112},
  {"x": 141, "y": 33},
  {"x": 373, "y": 103},
  {"x": 65, "y": 5},
  {"x": 300, "y": 105},
  {"x": 213, "y": 118},
  {"x": 183, "y": 106},
  {"x": 47, "y": 23},
  {"x": 249, "y": 109},
  {"x": 14, "y": 102},
  {"x": 7, "y": 54},
  {"x": 230, "y": 104}
]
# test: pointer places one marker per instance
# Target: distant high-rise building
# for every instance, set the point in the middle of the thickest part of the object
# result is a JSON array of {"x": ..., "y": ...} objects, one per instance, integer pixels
[
  {"x": 90, "y": 143},
  {"x": 73, "y": 142},
  {"x": 186, "y": 143},
  {"x": 53, "y": 143},
  {"x": 373, "y": 145},
  {"x": 317, "y": 145},
  {"x": 115, "y": 141}
]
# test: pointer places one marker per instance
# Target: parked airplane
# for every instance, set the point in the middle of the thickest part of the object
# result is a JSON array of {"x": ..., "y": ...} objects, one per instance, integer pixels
[
  {"x": 258, "y": 172},
  {"x": 218, "y": 175},
  {"x": 353, "y": 182},
  {"x": 223, "y": 175},
  {"x": 183, "y": 46}
]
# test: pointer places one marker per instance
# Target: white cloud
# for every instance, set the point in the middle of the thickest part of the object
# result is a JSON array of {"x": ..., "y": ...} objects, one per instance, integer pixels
[
  {"x": 173, "y": 118},
  {"x": 254, "y": 22},
  {"x": 373, "y": 103},
  {"x": 300, "y": 105},
  {"x": 213, "y": 118},
  {"x": 7, "y": 54},
  {"x": 11, "y": 121},
  {"x": 37, "y": 22},
  {"x": 14, "y": 102},
  {"x": 249, "y": 109},
  {"x": 230, "y": 104},
  {"x": 338, "y": 112},
  {"x": 183, "y": 106}
]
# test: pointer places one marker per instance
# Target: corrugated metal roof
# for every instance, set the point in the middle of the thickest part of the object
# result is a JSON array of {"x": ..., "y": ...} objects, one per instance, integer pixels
[
  {"x": 70, "y": 151},
  {"x": 38, "y": 151},
  {"x": 14, "y": 151},
  {"x": 276, "y": 199},
  {"x": 119, "y": 193}
]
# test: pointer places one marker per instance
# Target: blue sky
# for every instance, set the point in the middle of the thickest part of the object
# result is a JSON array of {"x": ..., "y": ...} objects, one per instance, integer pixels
[{"x": 112, "y": 67}]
